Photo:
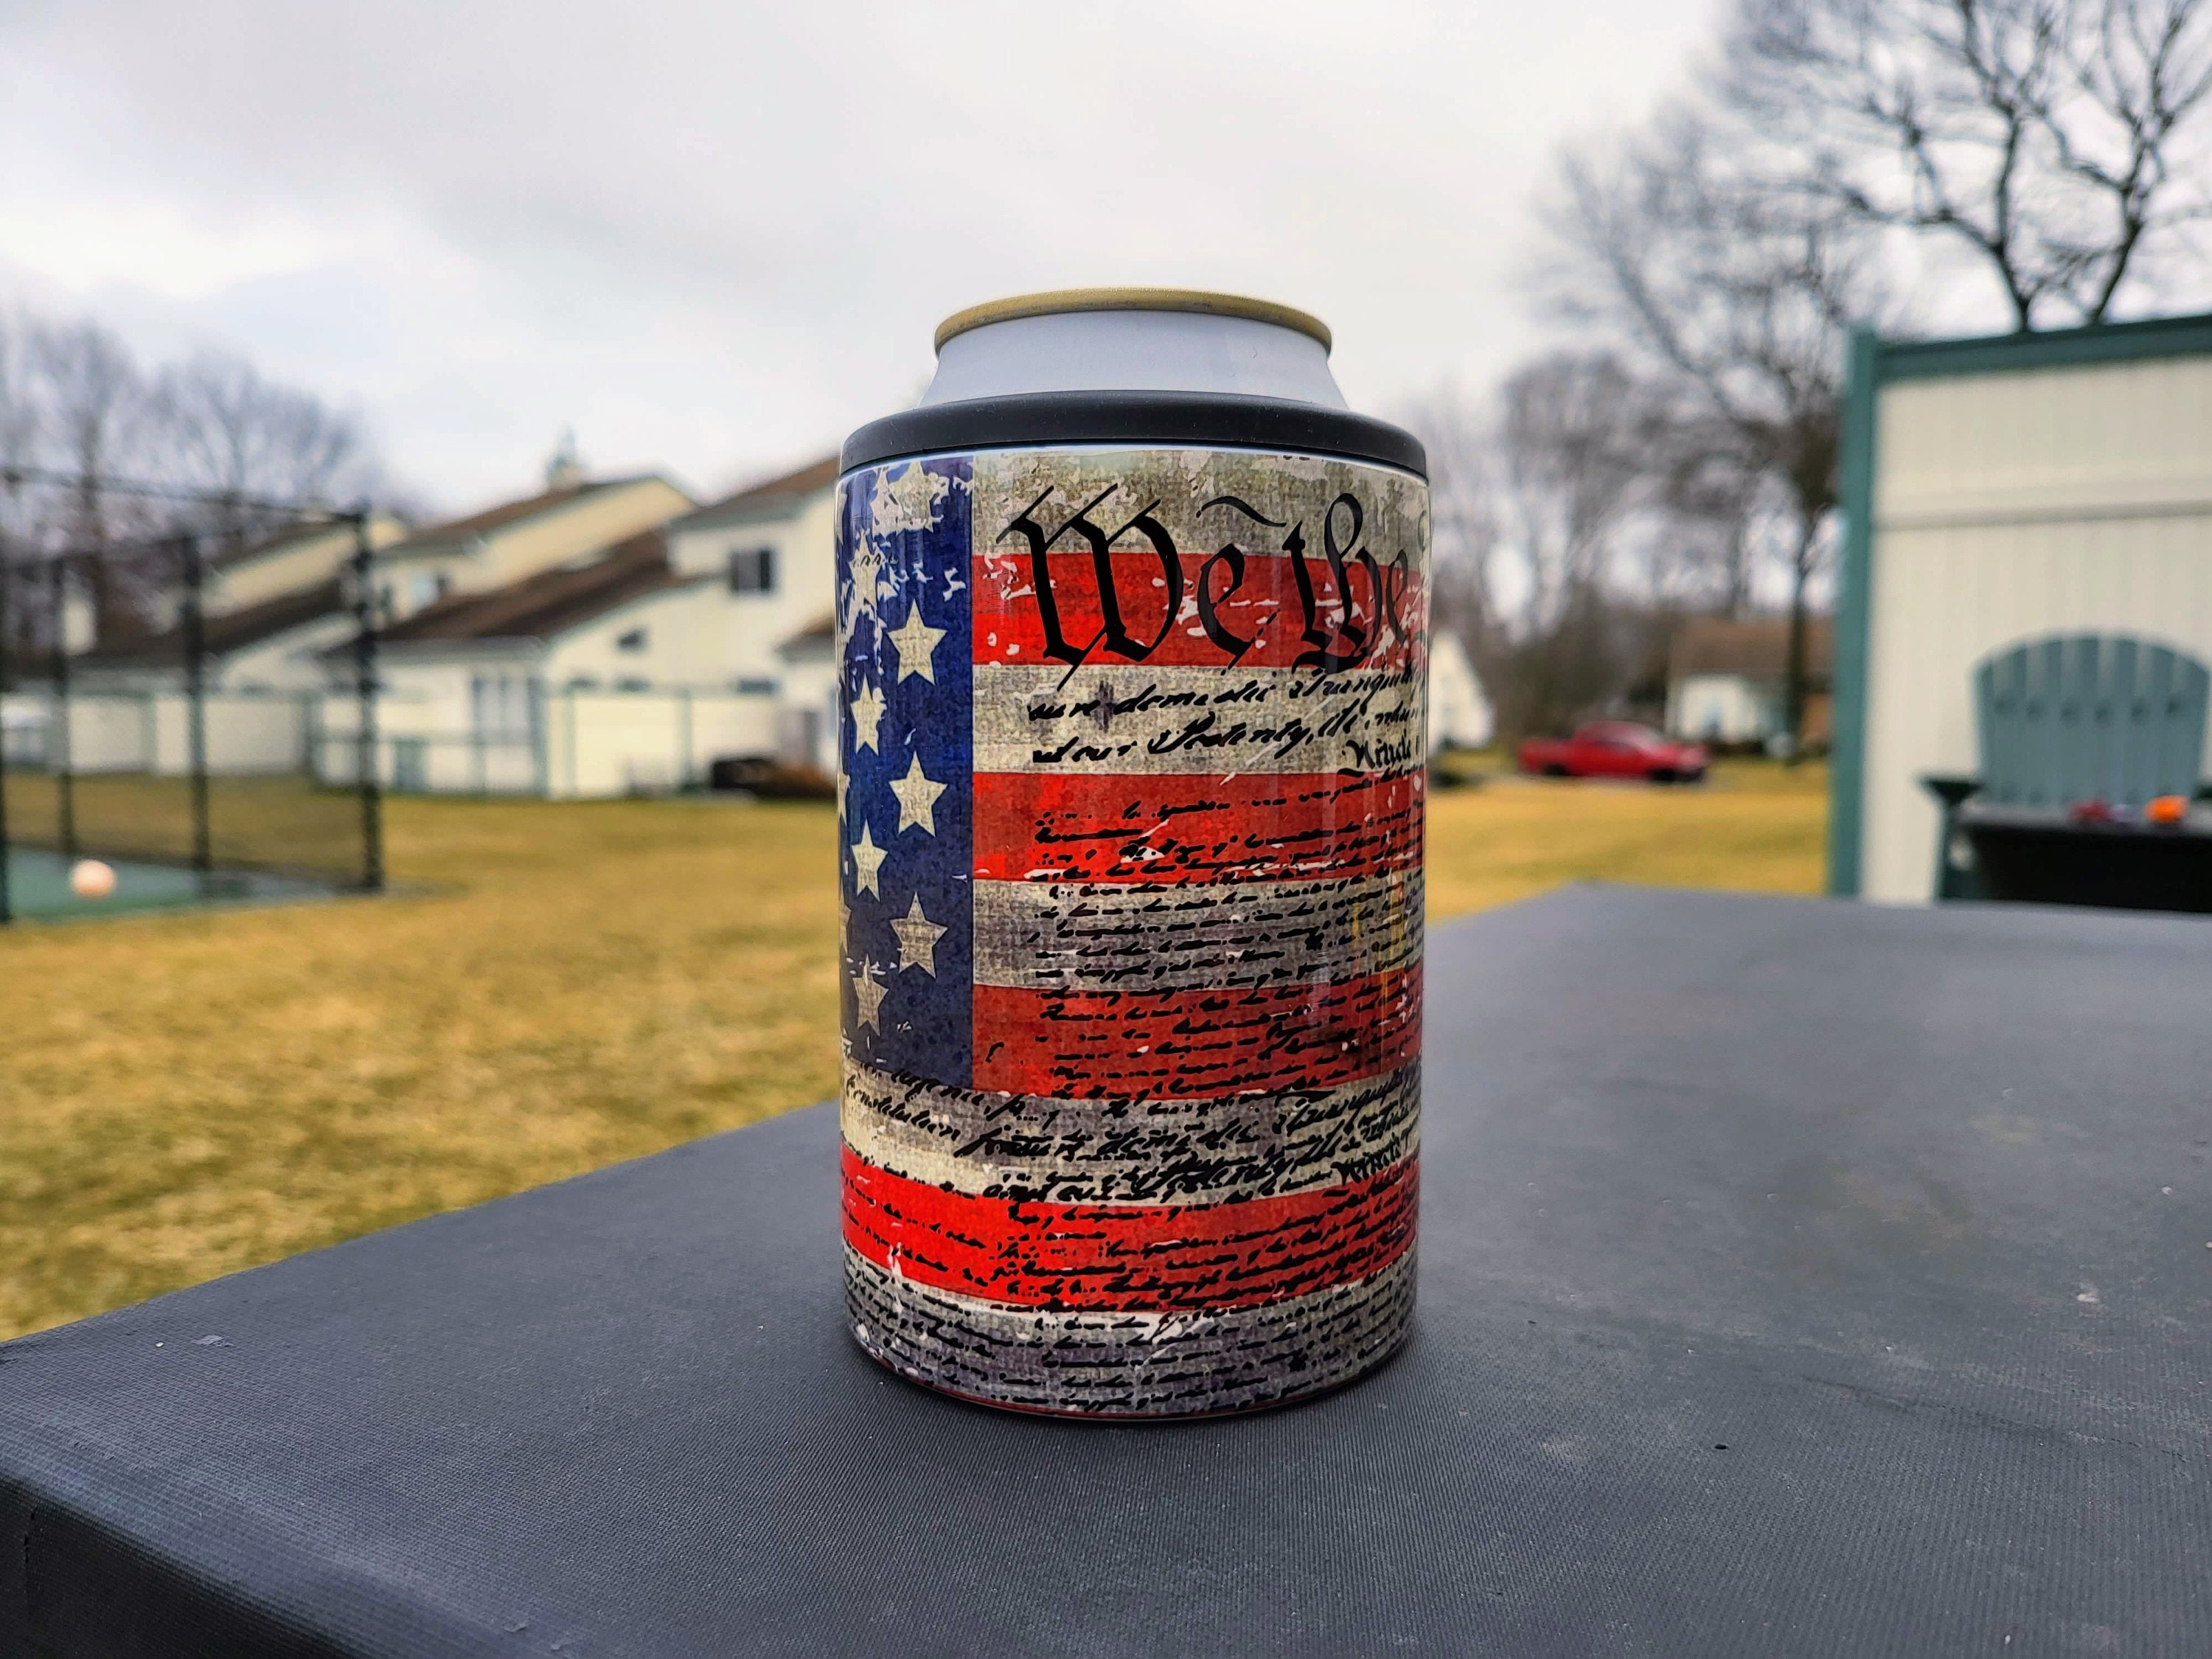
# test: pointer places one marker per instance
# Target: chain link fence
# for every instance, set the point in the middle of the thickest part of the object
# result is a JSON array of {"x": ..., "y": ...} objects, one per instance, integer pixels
[{"x": 191, "y": 755}]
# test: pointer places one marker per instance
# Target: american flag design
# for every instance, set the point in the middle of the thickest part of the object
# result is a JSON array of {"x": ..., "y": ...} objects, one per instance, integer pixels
[{"x": 1131, "y": 807}]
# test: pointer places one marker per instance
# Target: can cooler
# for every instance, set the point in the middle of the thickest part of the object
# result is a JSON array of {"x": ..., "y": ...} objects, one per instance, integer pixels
[{"x": 1132, "y": 624}]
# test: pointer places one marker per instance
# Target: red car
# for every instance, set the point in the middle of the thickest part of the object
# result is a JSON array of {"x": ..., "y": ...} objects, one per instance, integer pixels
[{"x": 1614, "y": 749}]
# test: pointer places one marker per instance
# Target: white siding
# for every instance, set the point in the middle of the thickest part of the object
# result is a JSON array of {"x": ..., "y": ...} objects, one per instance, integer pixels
[
  {"x": 600, "y": 743},
  {"x": 571, "y": 743},
  {"x": 754, "y": 624},
  {"x": 1459, "y": 713},
  {"x": 678, "y": 634},
  {"x": 290, "y": 661},
  {"x": 806, "y": 725},
  {"x": 150, "y": 731},
  {"x": 2009, "y": 505},
  {"x": 1723, "y": 708}
]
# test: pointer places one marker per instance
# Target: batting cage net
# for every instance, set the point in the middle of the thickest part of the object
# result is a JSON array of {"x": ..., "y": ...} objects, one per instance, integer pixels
[{"x": 206, "y": 742}]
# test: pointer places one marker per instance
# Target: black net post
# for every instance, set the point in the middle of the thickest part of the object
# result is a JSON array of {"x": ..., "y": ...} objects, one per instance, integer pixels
[
  {"x": 364, "y": 658},
  {"x": 58, "y": 763},
  {"x": 195, "y": 643}
]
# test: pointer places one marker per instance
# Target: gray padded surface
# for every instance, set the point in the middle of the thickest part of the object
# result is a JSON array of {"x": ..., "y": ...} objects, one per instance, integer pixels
[{"x": 1874, "y": 1200}]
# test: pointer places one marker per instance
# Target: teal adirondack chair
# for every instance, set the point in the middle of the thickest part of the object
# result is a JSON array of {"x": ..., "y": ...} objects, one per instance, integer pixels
[{"x": 2077, "y": 717}]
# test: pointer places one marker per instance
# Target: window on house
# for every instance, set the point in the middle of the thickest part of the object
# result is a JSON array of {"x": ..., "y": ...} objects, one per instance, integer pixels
[
  {"x": 752, "y": 570},
  {"x": 425, "y": 588},
  {"x": 633, "y": 640},
  {"x": 499, "y": 706},
  {"x": 632, "y": 683},
  {"x": 749, "y": 687}
]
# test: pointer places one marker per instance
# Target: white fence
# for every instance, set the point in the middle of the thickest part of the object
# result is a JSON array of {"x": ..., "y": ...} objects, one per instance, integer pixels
[
  {"x": 575, "y": 744},
  {"x": 245, "y": 733}
]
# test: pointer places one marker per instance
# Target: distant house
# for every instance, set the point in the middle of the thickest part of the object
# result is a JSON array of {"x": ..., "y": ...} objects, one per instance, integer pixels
[
  {"x": 1725, "y": 679},
  {"x": 571, "y": 518},
  {"x": 606, "y": 663},
  {"x": 285, "y": 563},
  {"x": 269, "y": 609},
  {"x": 281, "y": 566},
  {"x": 771, "y": 551},
  {"x": 1460, "y": 716},
  {"x": 806, "y": 698},
  {"x": 273, "y": 644},
  {"x": 582, "y": 679},
  {"x": 261, "y": 680}
]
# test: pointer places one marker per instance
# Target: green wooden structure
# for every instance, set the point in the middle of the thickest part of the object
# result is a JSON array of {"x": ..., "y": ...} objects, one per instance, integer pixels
[{"x": 1878, "y": 367}]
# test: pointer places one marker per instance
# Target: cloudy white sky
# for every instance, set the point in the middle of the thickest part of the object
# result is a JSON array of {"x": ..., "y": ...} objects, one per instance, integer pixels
[{"x": 713, "y": 237}]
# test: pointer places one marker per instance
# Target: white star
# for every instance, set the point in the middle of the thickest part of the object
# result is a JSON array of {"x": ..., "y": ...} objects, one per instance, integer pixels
[
  {"x": 868, "y": 992},
  {"x": 907, "y": 502},
  {"x": 917, "y": 798},
  {"x": 867, "y": 714},
  {"x": 867, "y": 860},
  {"x": 917, "y": 644},
  {"x": 867, "y": 577},
  {"x": 844, "y": 782},
  {"x": 917, "y": 937}
]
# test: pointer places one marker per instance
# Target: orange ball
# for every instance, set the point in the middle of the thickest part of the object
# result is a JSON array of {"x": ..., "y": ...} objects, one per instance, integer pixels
[{"x": 2167, "y": 809}]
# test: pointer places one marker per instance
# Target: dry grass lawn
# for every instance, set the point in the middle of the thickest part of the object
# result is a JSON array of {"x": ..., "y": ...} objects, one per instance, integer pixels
[{"x": 185, "y": 1095}]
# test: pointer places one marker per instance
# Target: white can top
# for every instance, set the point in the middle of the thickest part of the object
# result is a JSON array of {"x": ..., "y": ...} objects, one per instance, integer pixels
[{"x": 1134, "y": 339}]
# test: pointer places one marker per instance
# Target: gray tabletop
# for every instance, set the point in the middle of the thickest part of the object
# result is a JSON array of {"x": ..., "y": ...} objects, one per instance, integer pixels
[{"x": 1796, "y": 1278}]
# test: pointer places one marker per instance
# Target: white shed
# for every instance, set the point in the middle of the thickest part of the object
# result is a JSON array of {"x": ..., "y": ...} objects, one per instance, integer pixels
[
  {"x": 1459, "y": 713},
  {"x": 1998, "y": 491}
]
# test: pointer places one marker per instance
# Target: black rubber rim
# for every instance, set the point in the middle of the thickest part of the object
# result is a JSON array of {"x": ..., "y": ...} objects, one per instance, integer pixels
[{"x": 1033, "y": 419}]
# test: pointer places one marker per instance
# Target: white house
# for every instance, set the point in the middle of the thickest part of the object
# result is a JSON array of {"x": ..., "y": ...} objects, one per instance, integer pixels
[
  {"x": 1999, "y": 492},
  {"x": 603, "y": 666},
  {"x": 284, "y": 562},
  {"x": 770, "y": 550},
  {"x": 596, "y": 637},
  {"x": 587, "y": 679},
  {"x": 261, "y": 677},
  {"x": 1726, "y": 679},
  {"x": 571, "y": 518},
  {"x": 1459, "y": 714}
]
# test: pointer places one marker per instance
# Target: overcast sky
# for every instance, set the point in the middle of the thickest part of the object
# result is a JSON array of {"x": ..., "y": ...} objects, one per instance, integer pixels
[{"x": 711, "y": 238}]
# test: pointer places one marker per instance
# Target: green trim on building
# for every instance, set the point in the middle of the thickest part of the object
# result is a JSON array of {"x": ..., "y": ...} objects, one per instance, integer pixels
[
  {"x": 1854, "y": 594},
  {"x": 1874, "y": 363},
  {"x": 1999, "y": 353}
]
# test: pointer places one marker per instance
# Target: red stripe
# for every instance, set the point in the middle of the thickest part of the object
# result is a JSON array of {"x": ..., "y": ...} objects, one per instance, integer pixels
[
  {"x": 1265, "y": 608},
  {"x": 1176, "y": 828},
  {"x": 1130, "y": 1257},
  {"x": 1194, "y": 1045}
]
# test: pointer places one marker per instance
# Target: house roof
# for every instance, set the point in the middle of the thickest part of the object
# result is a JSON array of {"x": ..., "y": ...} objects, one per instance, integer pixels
[
  {"x": 820, "y": 634},
  {"x": 781, "y": 491},
  {"x": 493, "y": 518},
  {"x": 548, "y": 603},
  {"x": 225, "y": 633},
  {"x": 1757, "y": 649},
  {"x": 292, "y": 536}
]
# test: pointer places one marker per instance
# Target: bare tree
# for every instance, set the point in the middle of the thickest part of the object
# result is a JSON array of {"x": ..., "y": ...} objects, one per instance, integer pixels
[
  {"x": 18, "y": 436},
  {"x": 1530, "y": 504},
  {"x": 1740, "y": 299},
  {"x": 2060, "y": 143},
  {"x": 232, "y": 431},
  {"x": 73, "y": 401},
  {"x": 1463, "y": 528},
  {"x": 1572, "y": 429},
  {"x": 95, "y": 410}
]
